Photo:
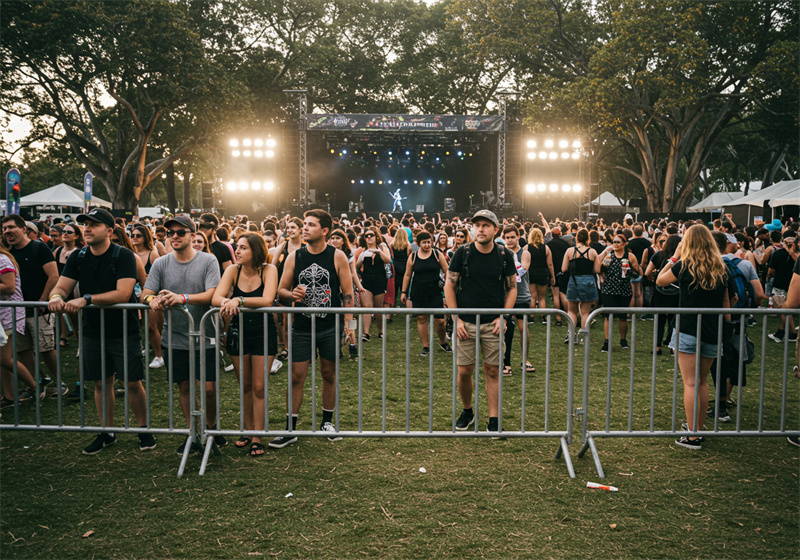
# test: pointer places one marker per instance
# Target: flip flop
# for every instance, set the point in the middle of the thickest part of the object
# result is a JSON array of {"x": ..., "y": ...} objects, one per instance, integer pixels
[
  {"x": 243, "y": 442},
  {"x": 529, "y": 367},
  {"x": 507, "y": 371},
  {"x": 283, "y": 355},
  {"x": 256, "y": 450}
]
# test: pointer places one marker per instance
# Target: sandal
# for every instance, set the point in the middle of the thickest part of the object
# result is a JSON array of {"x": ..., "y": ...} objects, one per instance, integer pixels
[
  {"x": 242, "y": 442},
  {"x": 529, "y": 367},
  {"x": 507, "y": 371},
  {"x": 256, "y": 450},
  {"x": 283, "y": 355},
  {"x": 64, "y": 342}
]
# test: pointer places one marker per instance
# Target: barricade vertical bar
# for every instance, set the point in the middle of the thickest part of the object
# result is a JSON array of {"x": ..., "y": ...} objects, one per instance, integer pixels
[
  {"x": 147, "y": 367},
  {"x": 548, "y": 340},
  {"x": 313, "y": 372},
  {"x": 383, "y": 372},
  {"x": 15, "y": 381},
  {"x": 476, "y": 383},
  {"x": 785, "y": 375},
  {"x": 585, "y": 401},
  {"x": 454, "y": 340},
  {"x": 570, "y": 388},
  {"x": 239, "y": 371},
  {"x": 677, "y": 334},
  {"x": 653, "y": 373},
  {"x": 170, "y": 378},
  {"x": 337, "y": 326},
  {"x": 430, "y": 372},
  {"x": 698, "y": 332},
  {"x": 763, "y": 370},
  {"x": 102, "y": 365},
  {"x": 203, "y": 432},
  {"x": 360, "y": 372},
  {"x": 289, "y": 319},
  {"x": 608, "y": 382},
  {"x": 524, "y": 365},
  {"x": 717, "y": 377},
  {"x": 82, "y": 392},
  {"x": 38, "y": 358},
  {"x": 740, "y": 374},
  {"x": 502, "y": 338},
  {"x": 633, "y": 365},
  {"x": 125, "y": 377},
  {"x": 408, "y": 372},
  {"x": 57, "y": 321},
  {"x": 267, "y": 368}
]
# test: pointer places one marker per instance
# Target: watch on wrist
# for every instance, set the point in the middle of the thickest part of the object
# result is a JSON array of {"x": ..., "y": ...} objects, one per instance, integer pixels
[{"x": 88, "y": 298}]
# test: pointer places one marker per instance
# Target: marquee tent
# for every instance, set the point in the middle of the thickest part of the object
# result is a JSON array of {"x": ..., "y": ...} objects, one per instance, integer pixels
[
  {"x": 608, "y": 200},
  {"x": 773, "y": 193},
  {"x": 715, "y": 202},
  {"x": 790, "y": 197},
  {"x": 60, "y": 195}
]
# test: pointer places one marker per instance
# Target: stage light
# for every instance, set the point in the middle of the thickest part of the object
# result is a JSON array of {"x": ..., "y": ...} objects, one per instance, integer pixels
[
  {"x": 333, "y": 151},
  {"x": 242, "y": 185},
  {"x": 541, "y": 187},
  {"x": 422, "y": 153},
  {"x": 362, "y": 181},
  {"x": 577, "y": 188},
  {"x": 542, "y": 155},
  {"x": 430, "y": 182},
  {"x": 390, "y": 152},
  {"x": 564, "y": 155},
  {"x": 530, "y": 187},
  {"x": 448, "y": 182},
  {"x": 380, "y": 182},
  {"x": 447, "y": 153},
  {"x": 372, "y": 181},
  {"x": 440, "y": 182},
  {"x": 576, "y": 144},
  {"x": 459, "y": 153},
  {"x": 231, "y": 185},
  {"x": 437, "y": 160},
  {"x": 408, "y": 153},
  {"x": 247, "y": 142},
  {"x": 236, "y": 153},
  {"x": 269, "y": 185},
  {"x": 548, "y": 143},
  {"x": 270, "y": 143},
  {"x": 405, "y": 182},
  {"x": 234, "y": 143},
  {"x": 531, "y": 155},
  {"x": 553, "y": 187},
  {"x": 247, "y": 153},
  {"x": 566, "y": 188},
  {"x": 470, "y": 154},
  {"x": 258, "y": 142},
  {"x": 563, "y": 144},
  {"x": 256, "y": 185},
  {"x": 352, "y": 181},
  {"x": 259, "y": 153},
  {"x": 344, "y": 152},
  {"x": 389, "y": 181},
  {"x": 553, "y": 155},
  {"x": 531, "y": 143}
]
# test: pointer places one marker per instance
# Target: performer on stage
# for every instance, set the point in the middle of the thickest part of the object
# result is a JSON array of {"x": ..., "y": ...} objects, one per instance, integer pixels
[{"x": 398, "y": 201}]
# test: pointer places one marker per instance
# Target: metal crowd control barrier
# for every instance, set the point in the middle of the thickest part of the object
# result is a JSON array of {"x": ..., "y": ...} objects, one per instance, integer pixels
[
  {"x": 66, "y": 418},
  {"x": 594, "y": 411},
  {"x": 351, "y": 390}
]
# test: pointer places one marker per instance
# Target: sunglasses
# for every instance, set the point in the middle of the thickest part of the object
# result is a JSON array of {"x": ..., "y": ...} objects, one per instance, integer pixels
[
  {"x": 67, "y": 232},
  {"x": 369, "y": 235},
  {"x": 178, "y": 232},
  {"x": 137, "y": 236},
  {"x": 617, "y": 242}
]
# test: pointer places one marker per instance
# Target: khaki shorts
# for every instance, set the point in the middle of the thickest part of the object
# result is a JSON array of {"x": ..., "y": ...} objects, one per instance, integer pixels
[
  {"x": 490, "y": 346},
  {"x": 47, "y": 336}
]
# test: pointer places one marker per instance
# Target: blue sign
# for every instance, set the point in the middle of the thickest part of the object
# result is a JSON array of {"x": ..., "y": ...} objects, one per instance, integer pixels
[
  {"x": 13, "y": 179},
  {"x": 88, "y": 181}
]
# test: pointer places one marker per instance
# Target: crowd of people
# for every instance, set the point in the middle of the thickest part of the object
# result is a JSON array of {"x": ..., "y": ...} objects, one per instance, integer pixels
[{"x": 429, "y": 263}]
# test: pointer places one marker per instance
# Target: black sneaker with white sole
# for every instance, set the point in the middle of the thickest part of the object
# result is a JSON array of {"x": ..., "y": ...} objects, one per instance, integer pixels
[
  {"x": 100, "y": 442},
  {"x": 281, "y": 442},
  {"x": 604, "y": 349},
  {"x": 492, "y": 426},
  {"x": 624, "y": 344},
  {"x": 693, "y": 444},
  {"x": 465, "y": 420},
  {"x": 146, "y": 441},
  {"x": 425, "y": 351},
  {"x": 446, "y": 347},
  {"x": 329, "y": 427}
]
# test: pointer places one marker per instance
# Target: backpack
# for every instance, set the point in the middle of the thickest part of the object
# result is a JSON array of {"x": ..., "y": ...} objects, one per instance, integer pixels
[
  {"x": 499, "y": 250},
  {"x": 743, "y": 288},
  {"x": 115, "y": 251}
]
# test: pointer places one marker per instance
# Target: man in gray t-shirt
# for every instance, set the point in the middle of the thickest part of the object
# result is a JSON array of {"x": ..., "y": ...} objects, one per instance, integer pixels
[{"x": 185, "y": 279}]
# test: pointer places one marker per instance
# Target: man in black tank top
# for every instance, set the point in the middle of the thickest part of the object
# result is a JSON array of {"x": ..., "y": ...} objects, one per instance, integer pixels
[{"x": 312, "y": 277}]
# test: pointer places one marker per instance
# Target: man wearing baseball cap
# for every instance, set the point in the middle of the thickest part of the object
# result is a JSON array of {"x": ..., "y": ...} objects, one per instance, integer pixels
[{"x": 481, "y": 275}]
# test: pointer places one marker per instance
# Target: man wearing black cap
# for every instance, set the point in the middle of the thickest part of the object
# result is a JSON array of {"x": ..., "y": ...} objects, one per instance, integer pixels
[
  {"x": 481, "y": 275},
  {"x": 105, "y": 275},
  {"x": 185, "y": 277}
]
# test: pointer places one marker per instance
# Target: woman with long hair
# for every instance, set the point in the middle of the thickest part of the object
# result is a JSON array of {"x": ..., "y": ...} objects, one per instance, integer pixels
[
  {"x": 698, "y": 269},
  {"x": 460, "y": 237},
  {"x": 200, "y": 242},
  {"x": 541, "y": 272},
  {"x": 338, "y": 239},
  {"x": 663, "y": 296},
  {"x": 400, "y": 252},
  {"x": 371, "y": 261},
  {"x": 254, "y": 283},
  {"x": 142, "y": 240},
  {"x": 618, "y": 266},
  {"x": 580, "y": 261},
  {"x": 71, "y": 241},
  {"x": 442, "y": 243}
]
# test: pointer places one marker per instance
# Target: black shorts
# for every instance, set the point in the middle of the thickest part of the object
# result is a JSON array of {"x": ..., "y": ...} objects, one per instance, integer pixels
[
  {"x": 374, "y": 283},
  {"x": 178, "y": 360},
  {"x": 610, "y": 300},
  {"x": 254, "y": 339},
  {"x": 114, "y": 359},
  {"x": 523, "y": 305},
  {"x": 562, "y": 280},
  {"x": 540, "y": 279},
  {"x": 325, "y": 342},
  {"x": 432, "y": 299}
]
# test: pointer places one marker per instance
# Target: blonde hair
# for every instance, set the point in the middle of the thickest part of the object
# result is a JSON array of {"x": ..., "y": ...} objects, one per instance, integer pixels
[
  {"x": 400, "y": 241},
  {"x": 701, "y": 258},
  {"x": 535, "y": 238}
]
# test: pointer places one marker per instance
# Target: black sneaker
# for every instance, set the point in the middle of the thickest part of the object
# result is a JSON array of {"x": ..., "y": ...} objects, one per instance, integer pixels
[
  {"x": 100, "y": 442},
  {"x": 794, "y": 440},
  {"x": 446, "y": 347},
  {"x": 220, "y": 441},
  {"x": 195, "y": 448},
  {"x": 778, "y": 336},
  {"x": 75, "y": 394},
  {"x": 281, "y": 442},
  {"x": 492, "y": 426},
  {"x": 605, "y": 347},
  {"x": 624, "y": 344},
  {"x": 146, "y": 441},
  {"x": 425, "y": 351},
  {"x": 45, "y": 380},
  {"x": 566, "y": 339},
  {"x": 723, "y": 414},
  {"x": 465, "y": 420},
  {"x": 329, "y": 427},
  {"x": 353, "y": 351},
  {"x": 793, "y": 337},
  {"x": 693, "y": 444}
]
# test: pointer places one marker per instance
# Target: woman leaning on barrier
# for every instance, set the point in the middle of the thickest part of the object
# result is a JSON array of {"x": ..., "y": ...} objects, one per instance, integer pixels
[
  {"x": 253, "y": 282},
  {"x": 699, "y": 271}
]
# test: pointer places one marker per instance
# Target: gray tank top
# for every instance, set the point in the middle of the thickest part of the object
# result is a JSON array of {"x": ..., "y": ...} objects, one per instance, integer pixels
[{"x": 523, "y": 281}]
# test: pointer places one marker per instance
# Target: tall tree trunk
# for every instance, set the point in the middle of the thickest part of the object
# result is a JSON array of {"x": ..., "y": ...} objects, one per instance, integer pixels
[
  {"x": 187, "y": 183},
  {"x": 172, "y": 201}
]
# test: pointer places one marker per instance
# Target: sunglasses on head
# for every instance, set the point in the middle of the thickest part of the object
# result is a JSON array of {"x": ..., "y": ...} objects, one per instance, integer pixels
[{"x": 178, "y": 232}]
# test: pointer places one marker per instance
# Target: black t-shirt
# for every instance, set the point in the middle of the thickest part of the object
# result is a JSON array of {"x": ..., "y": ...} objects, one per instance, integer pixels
[
  {"x": 637, "y": 245},
  {"x": 97, "y": 274},
  {"x": 696, "y": 297},
  {"x": 31, "y": 260},
  {"x": 558, "y": 247},
  {"x": 482, "y": 280},
  {"x": 222, "y": 252},
  {"x": 784, "y": 265}
]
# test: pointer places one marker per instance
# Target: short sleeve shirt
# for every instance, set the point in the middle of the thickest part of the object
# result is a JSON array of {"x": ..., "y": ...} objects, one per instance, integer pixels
[
  {"x": 482, "y": 280},
  {"x": 31, "y": 260}
]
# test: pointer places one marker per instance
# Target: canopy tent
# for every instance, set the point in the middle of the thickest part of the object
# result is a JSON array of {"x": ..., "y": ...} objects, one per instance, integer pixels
[
  {"x": 715, "y": 202},
  {"x": 790, "y": 197},
  {"x": 60, "y": 195},
  {"x": 772, "y": 193},
  {"x": 608, "y": 200}
]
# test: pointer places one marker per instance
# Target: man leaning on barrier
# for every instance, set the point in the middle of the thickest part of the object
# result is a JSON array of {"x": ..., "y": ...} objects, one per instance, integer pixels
[
  {"x": 105, "y": 275},
  {"x": 481, "y": 275},
  {"x": 185, "y": 278}
]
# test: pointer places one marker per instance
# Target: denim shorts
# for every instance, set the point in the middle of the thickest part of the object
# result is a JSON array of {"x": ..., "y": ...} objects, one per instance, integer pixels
[
  {"x": 688, "y": 345},
  {"x": 581, "y": 288}
]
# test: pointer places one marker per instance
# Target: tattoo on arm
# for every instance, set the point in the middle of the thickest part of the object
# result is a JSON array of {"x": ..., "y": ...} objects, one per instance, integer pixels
[
  {"x": 452, "y": 277},
  {"x": 348, "y": 300},
  {"x": 511, "y": 282}
]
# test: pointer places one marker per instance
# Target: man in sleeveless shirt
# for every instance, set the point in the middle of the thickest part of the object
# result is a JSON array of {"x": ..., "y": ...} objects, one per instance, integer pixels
[{"x": 312, "y": 277}]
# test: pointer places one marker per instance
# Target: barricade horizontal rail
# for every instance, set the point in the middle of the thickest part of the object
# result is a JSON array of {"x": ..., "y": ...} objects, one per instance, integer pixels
[
  {"x": 609, "y": 401},
  {"x": 404, "y": 398}
]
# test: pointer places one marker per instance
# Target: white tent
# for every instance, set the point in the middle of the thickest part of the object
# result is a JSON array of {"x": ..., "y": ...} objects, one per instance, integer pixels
[
  {"x": 60, "y": 195},
  {"x": 773, "y": 192},
  {"x": 788, "y": 197},
  {"x": 608, "y": 200},
  {"x": 715, "y": 202}
]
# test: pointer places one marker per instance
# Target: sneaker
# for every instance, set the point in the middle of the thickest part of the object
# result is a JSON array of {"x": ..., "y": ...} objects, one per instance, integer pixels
[
  {"x": 276, "y": 365},
  {"x": 328, "y": 427},
  {"x": 353, "y": 351},
  {"x": 196, "y": 448},
  {"x": 694, "y": 444},
  {"x": 446, "y": 347},
  {"x": 45, "y": 380},
  {"x": 793, "y": 337},
  {"x": 27, "y": 394},
  {"x": 794, "y": 440},
  {"x": 566, "y": 339},
  {"x": 605, "y": 347},
  {"x": 220, "y": 441},
  {"x": 229, "y": 367},
  {"x": 777, "y": 337},
  {"x": 723, "y": 414},
  {"x": 59, "y": 390},
  {"x": 465, "y": 420},
  {"x": 544, "y": 321},
  {"x": 100, "y": 442},
  {"x": 281, "y": 442},
  {"x": 751, "y": 322},
  {"x": 365, "y": 337},
  {"x": 624, "y": 344},
  {"x": 146, "y": 441},
  {"x": 492, "y": 426},
  {"x": 425, "y": 351},
  {"x": 5, "y": 403},
  {"x": 75, "y": 394},
  {"x": 157, "y": 363}
]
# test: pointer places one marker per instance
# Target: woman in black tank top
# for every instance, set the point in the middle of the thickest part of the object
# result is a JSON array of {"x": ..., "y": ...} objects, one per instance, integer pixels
[
  {"x": 253, "y": 283},
  {"x": 580, "y": 261},
  {"x": 371, "y": 261}
]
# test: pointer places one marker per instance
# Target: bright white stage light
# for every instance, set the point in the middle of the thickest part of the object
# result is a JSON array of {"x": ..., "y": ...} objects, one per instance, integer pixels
[
  {"x": 258, "y": 142},
  {"x": 270, "y": 143},
  {"x": 259, "y": 153},
  {"x": 231, "y": 185},
  {"x": 577, "y": 188},
  {"x": 548, "y": 143},
  {"x": 269, "y": 185},
  {"x": 553, "y": 187},
  {"x": 247, "y": 142},
  {"x": 541, "y": 187},
  {"x": 256, "y": 186},
  {"x": 236, "y": 153},
  {"x": 269, "y": 153},
  {"x": 564, "y": 155},
  {"x": 553, "y": 155},
  {"x": 566, "y": 188},
  {"x": 234, "y": 143},
  {"x": 563, "y": 144},
  {"x": 542, "y": 155},
  {"x": 531, "y": 155},
  {"x": 531, "y": 143},
  {"x": 530, "y": 187},
  {"x": 576, "y": 144},
  {"x": 243, "y": 185},
  {"x": 575, "y": 155},
  {"x": 246, "y": 153}
]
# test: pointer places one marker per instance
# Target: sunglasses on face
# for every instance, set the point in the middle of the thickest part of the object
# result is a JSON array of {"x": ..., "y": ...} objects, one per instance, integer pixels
[
  {"x": 617, "y": 242},
  {"x": 178, "y": 232},
  {"x": 369, "y": 235},
  {"x": 137, "y": 236},
  {"x": 68, "y": 232}
]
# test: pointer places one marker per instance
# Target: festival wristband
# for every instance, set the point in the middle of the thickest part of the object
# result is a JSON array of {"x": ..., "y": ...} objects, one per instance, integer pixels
[
  {"x": 240, "y": 299},
  {"x": 185, "y": 298},
  {"x": 148, "y": 299},
  {"x": 54, "y": 296},
  {"x": 673, "y": 260}
]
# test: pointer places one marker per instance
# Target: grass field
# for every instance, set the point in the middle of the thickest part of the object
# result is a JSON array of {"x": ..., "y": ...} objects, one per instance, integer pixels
[{"x": 478, "y": 498}]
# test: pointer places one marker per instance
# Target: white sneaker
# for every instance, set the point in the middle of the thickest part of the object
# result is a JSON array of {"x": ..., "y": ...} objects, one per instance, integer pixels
[
  {"x": 157, "y": 363},
  {"x": 276, "y": 365},
  {"x": 328, "y": 427}
]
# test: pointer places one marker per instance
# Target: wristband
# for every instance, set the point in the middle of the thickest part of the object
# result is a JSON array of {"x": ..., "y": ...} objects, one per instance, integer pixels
[
  {"x": 54, "y": 296},
  {"x": 240, "y": 299},
  {"x": 185, "y": 298},
  {"x": 148, "y": 299},
  {"x": 673, "y": 259}
]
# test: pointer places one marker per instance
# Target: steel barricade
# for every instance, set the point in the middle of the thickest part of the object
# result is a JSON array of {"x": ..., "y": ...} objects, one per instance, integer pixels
[
  {"x": 75, "y": 421},
  {"x": 615, "y": 414},
  {"x": 355, "y": 389}
]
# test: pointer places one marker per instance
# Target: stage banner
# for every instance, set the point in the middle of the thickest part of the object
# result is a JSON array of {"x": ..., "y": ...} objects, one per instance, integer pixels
[
  {"x": 421, "y": 123},
  {"x": 88, "y": 182},
  {"x": 12, "y": 191}
]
